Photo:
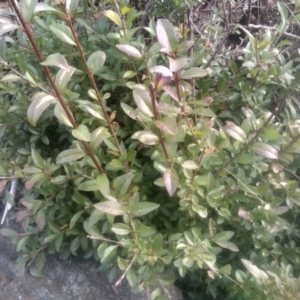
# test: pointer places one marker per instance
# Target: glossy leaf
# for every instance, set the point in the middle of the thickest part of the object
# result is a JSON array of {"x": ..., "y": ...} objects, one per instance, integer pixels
[
  {"x": 69, "y": 156},
  {"x": 63, "y": 33},
  {"x": 143, "y": 101},
  {"x": 193, "y": 73},
  {"x": 113, "y": 16},
  {"x": 71, "y": 6},
  {"x": 63, "y": 77},
  {"x": 121, "y": 229},
  {"x": 96, "y": 61},
  {"x": 39, "y": 104},
  {"x": 166, "y": 35},
  {"x": 283, "y": 10},
  {"x": 37, "y": 159},
  {"x": 56, "y": 60},
  {"x": 42, "y": 7},
  {"x": 144, "y": 231},
  {"x": 121, "y": 185},
  {"x": 61, "y": 115},
  {"x": 82, "y": 133},
  {"x": 110, "y": 207},
  {"x": 148, "y": 138},
  {"x": 27, "y": 9},
  {"x": 130, "y": 50},
  {"x": 164, "y": 71},
  {"x": 103, "y": 185},
  {"x": 265, "y": 150},
  {"x": 254, "y": 270},
  {"x": 171, "y": 181},
  {"x": 75, "y": 218},
  {"x": 223, "y": 236},
  {"x": 176, "y": 65},
  {"x": 144, "y": 208},
  {"x": 109, "y": 253},
  {"x": 190, "y": 165},
  {"x": 89, "y": 186},
  {"x": 236, "y": 132}
]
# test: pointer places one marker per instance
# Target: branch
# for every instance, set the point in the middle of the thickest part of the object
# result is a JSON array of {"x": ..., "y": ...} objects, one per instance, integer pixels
[
  {"x": 296, "y": 37},
  {"x": 52, "y": 83},
  {"x": 94, "y": 84}
]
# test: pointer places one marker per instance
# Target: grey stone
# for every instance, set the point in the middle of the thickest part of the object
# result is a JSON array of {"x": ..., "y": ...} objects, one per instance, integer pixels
[{"x": 70, "y": 279}]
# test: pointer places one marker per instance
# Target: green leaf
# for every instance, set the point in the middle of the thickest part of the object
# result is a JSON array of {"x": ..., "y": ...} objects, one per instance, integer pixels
[
  {"x": 56, "y": 60},
  {"x": 227, "y": 245},
  {"x": 129, "y": 111},
  {"x": 61, "y": 115},
  {"x": 148, "y": 138},
  {"x": 40, "y": 219},
  {"x": 129, "y": 50},
  {"x": 223, "y": 236},
  {"x": 8, "y": 232},
  {"x": 71, "y": 6},
  {"x": 27, "y": 9},
  {"x": 7, "y": 27},
  {"x": 51, "y": 237},
  {"x": 144, "y": 208},
  {"x": 265, "y": 150},
  {"x": 166, "y": 35},
  {"x": 111, "y": 207},
  {"x": 144, "y": 231},
  {"x": 82, "y": 133},
  {"x": 190, "y": 165},
  {"x": 177, "y": 64},
  {"x": 40, "y": 102},
  {"x": 63, "y": 77},
  {"x": 121, "y": 185},
  {"x": 254, "y": 270},
  {"x": 171, "y": 181},
  {"x": 37, "y": 159},
  {"x": 97, "y": 137},
  {"x": 121, "y": 229},
  {"x": 225, "y": 270},
  {"x": 89, "y": 186},
  {"x": 164, "y": 127},
  {"x": 193, "y": 73},
  {"x": 296, "y": 18},
  {"x": 75, "y": 218},
  {"x": 283, "y": 10},
  {"x": 96, "y": 61},
  {"x": 212, "y": 227},
  {"x": 63, "y": 32},
  {"x": 109, "y": 253},
  {"x": 103, "y": 185},
  {"x": 143, "y": 101},
  {"x": 10, "y": 78},
  {"x": 44, "y": 7},
  {"x": 131, "y": 278},
  {"x": 69, "y": 156},
  {"x": 236, "y": 132},
  {"x": 113, "y": 16}
]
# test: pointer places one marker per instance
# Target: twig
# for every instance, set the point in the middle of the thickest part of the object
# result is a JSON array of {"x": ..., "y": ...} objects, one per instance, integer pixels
[
  {"x": 52, "y": 83},
  {"x": 125, "y": 272},
  {"x": 296, "y": 37},
  {"x": 225, "y": 16},
  {"x": 93, "y": 82},
  {"x": 249, "y": 13},
  {"x": 103, "y": 239}
]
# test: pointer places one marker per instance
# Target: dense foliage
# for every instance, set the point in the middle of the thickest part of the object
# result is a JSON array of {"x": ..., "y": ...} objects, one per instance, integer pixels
[{"x": 162, "y": 153}]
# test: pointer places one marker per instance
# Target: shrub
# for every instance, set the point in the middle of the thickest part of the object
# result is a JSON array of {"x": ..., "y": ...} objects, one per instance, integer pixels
[{"x": 150, "y": 157}]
